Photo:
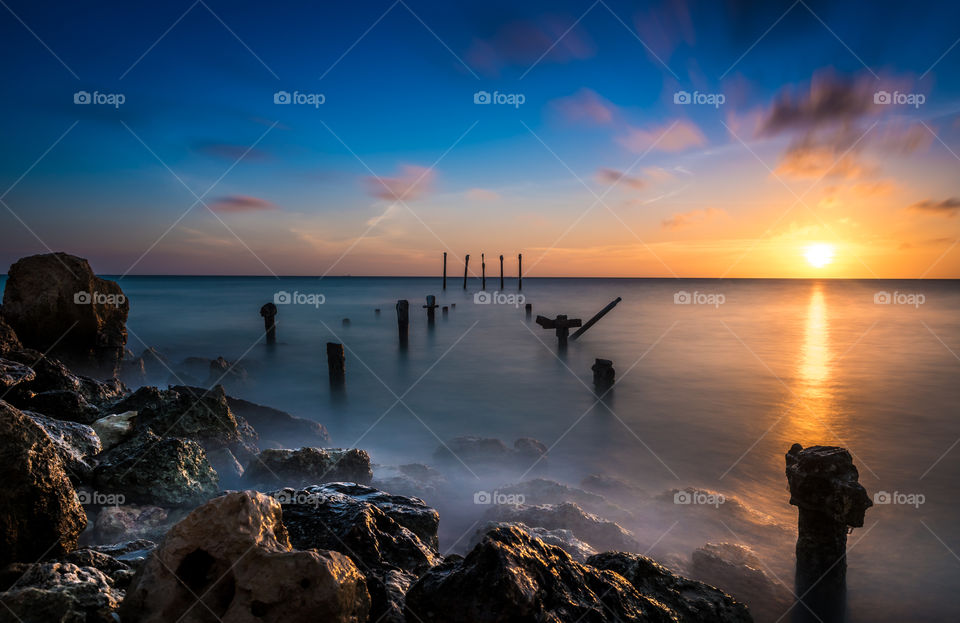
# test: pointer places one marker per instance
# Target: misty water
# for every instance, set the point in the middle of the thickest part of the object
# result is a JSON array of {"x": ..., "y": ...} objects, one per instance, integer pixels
[{"x": 709, "y": 394}]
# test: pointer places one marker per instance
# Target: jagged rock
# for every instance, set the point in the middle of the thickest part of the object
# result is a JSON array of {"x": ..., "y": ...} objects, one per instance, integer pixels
[
  {"x": 124, "y": 522},
  {"x": 118, "y": 571},
  {"x": 8, "y": 338},
  {"x": 115, "y": 428},
  {"x": 76, "y": 444},
  {"x": 280, "y": 427},
  {"x": 39, "y": 511},
  {"x": 59, "y": 591},
  {"x": 233, "y": 552},
  {"x": 57, "y": 305},
  {"x": 13, "y": 373},
  {"x": 689, "y": 601},
  {"x": 193, "y": 413},
  {"x": 148, "y": 469},
  {"x": 491, "y": 453},
  {"x": 512, "y": 578},
  {"x": 564, "y": 539},
  {"x": 598, "y": 532},
  {"x": 388, "y": 595},
  {"x": 307, "y": 466},
  {"x": 736, "y": 570}
]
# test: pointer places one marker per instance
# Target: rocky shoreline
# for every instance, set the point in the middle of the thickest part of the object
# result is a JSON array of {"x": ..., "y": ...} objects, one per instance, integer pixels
[{"x": 188, "y": 504}]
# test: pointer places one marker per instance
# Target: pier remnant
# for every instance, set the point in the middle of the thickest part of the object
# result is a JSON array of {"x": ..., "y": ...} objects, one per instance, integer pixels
[
  {"x": 824, "y": 486},
  {"x": 269, "y": 313},
  {"x": 346, "y": 322},
  {"x": 444, "y": 311},
  {"x": 603, "y": 374},
  {"x": 466, "y": 265},
  {"x": 501, "y": 273},
  {"x": 519, "y": 271},
  {"x": 444, "y": 270},
  {"x": 528, "y": 308},
  {"x": 600, "y": 314},
  {"x": 403, "y": 320},
  {"x": 431, "y": 308},
  {"x": 483, "y": 273},
  {"x": 336, "y": 364},
  {"x": 562, "y": 324}
]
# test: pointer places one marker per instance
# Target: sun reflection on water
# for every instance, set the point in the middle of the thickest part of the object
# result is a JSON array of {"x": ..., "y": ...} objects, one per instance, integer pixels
[{"x": 813, "y": 392}]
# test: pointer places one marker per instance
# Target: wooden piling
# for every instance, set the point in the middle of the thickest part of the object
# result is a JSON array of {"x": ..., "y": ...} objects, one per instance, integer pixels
[
  {"x": 336, "y": 364},
  {"x": 403, "y": 320},
  {"x": 444, "y": 270},
  {"x": 520, "y": 271},
  {"x": 466, "y": 265},
  {"x": 528, "y": 308},
  {"x": 444, "y": 311},
  {"x": 483, "y": 273},
  {"x": 269, "y": 313},
  {"x": 600, "y": 314},
  {"x": 431, "y": 308},
  {"x": 501, "y": 273}
]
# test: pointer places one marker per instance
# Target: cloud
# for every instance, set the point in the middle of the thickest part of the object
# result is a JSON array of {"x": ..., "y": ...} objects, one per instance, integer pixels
[
  {"x": 613, "y": 177},
  {"x": 522, "y": 43},
  {"x": 830, "y": 100},
  {"x": 803, "y": 161},
  {"x": 413, "y": 181},
  {"x": 585, "y": 106},
  {"x": 233, "y": 153},
  {"x": 235, "y": 204},
  {"x": 947, "y": 207},
  {"x": 686, "y": 219},
  {"x": 482, "y": 194},
  {"x": 674, "y": 137}
]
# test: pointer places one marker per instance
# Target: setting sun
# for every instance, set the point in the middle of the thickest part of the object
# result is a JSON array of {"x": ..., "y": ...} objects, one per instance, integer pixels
[{"x": 819, "y": 255}]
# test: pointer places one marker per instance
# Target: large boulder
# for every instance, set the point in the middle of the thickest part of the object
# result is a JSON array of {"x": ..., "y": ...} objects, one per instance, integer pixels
[
  {"x": 279, "y": 427},
  {"x": 59, "y": 591},
  {"x": 307, "y": 466},
  {"x": 511, "y": 577},
  {"x": 76, "y": 444},
  {"x": 39, "y": 512},
  {"x": 564, "y": 539},
  {"x": 57, "y": 305},
  {"x": 148, "y": 469},
  {"x": 231, "y": 560},
  {"x": 13, "y": 373},
  {"x": 600, "y": 533},
  {"x": 689, "y": 601}
]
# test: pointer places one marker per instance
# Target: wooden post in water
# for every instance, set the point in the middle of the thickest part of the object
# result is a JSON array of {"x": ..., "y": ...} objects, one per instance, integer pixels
[
  {"x": 466, "y": 264},
  {"x": 444, "y": 270},
  {"x": 501, "y": 273},
  {"x": 431, "y": 308},
  {"x": 562, "y": 325},
  {"x": 483, "y": 273},
  {"x": 403, "y": 320},
  {"x": 336, "y": 364},
  {"x": 529, "y": 309},
  {"x": 520, "y": 271},
  {"x": 445, "y": 310},
  {"x": 269, "y": 313},
  {"x": 603, "y": 375}
]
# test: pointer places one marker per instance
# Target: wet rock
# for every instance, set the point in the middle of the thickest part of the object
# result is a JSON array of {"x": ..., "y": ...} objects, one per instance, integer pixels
[
  {"x": 76, "y": 445},
  {"x": 116, "y": 570},
  {"x": 738, "y": 571},
  {"x": 132, "y": 553},
  {"x": 128, "y": 522},
  {"x": 59, "y": 591},
  {"x": 222, "y": 372},
  {"x": 598, "y": 532},
  {"x": 388, "y": 595},
  {"x": 39, "y": 512},
  {"x": 8, "y": 338},
  {"x": 564, "y": 539},
  {"x": 234, "y": 553},
  {"x": 148, "y": 469},
  {"x": 13, "y": 373},
  {"x": 57, "y": 305},
  {"x": 510, "y": 577},
  {"x": 688, "y": 600},
  {"x": 114, "y": 429},
  {"x": 307, "y": 466},
  {"x": 490, "y": 453},
  {"x": 280, "y": 427}
]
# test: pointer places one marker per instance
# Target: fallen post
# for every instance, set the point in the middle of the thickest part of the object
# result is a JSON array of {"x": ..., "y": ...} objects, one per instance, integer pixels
[{"x": 600, "y": 314}]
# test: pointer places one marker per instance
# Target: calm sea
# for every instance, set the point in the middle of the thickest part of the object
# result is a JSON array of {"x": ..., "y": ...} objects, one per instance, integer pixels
[{"x": 716, "y": 379}]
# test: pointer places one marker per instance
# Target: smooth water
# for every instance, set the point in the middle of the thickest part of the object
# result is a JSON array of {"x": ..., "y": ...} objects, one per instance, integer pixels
[{"x": 710, "y": 395}]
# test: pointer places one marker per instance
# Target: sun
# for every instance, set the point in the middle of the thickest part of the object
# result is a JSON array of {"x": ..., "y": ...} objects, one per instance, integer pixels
[{"x": 819, "y": 255}]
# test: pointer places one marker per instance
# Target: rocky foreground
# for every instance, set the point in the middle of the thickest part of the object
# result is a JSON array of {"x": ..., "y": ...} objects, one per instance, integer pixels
[{"x": 183, "y": 504}]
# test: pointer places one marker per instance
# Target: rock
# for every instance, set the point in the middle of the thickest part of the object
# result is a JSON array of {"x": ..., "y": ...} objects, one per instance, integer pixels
[
  {"x": 131, "y": 553},
  {"x": 149, "y": 470},
  {"x": 388, "y": 595},
  {"x": 564, "y": 539},
  {"x": 193, "y": 413},
  {"x": 613, "y": 488},
  {"x": 76, "y": 445},
  {"x": 57, "y": 305},
  {"x": 234, "y": 553},
  {"x": 510, "y": 577},
  {"x": 490, "y": 453},
  {"x": 8, "y": 338},
  {"x": 113, "y": 429},
  {"x": 59, "y": 591},
  {"x": 39, "y": 512},
  {"x": 114, "y": 569},
  {"x": 412, "y": 479},
  {"x": 307, "y": 466},
  {"x": 13, "y": 373},
  {"x": 222, "y": 372},
  {"x": 128, "y": 522},
  {"x": 736, "y": 570},
  {"x": 600, "y": 533},
  {"x": 543, "y": 491},
  {"x": 278, "y": 426}
]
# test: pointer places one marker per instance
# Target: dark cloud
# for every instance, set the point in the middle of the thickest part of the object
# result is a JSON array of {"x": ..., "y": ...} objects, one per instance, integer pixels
[
  {"x": 522, "y": 43},
  {"x": 831, "y": 100},
  {"x": 946, "y": 207}
]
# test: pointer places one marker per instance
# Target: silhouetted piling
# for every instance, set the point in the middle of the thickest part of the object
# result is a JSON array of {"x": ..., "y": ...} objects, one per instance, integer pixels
[
  {"x": 376, "y": 312},
  {"x": 603, "y": 374},
  {"x": 444, "y": 270},
  {"x": 269, "y": 313},
  {"x": 528, "y": 308},
  {"x": 444, "y": 311},
  {"x": 431, "y": 308},
  {"x": 600, "y": 314},
  {"x": 466, "y": 266},
  {"x": 403, "y": 320},
  {"x": 520, "y": 271},
  {"x": 501, "y": 273},
  {"x": 336, "y": 364},
  {"x": 562, "y": 324},
  {"x": 483, "y": 273},
  {"x": 345, "y": 322}
]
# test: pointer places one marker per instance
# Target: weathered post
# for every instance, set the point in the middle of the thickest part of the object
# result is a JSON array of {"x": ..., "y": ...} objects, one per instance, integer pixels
[
  {"x": 431, "y": 308},
  {"x": 483, "y": 273},
  {"x": 562, "y": 325},
  {"x": 520, "y": 271},
  {"x": 345, "y": 322},
  {"x": 528, "y": 308},
  {"x": 603, "y": 374},
  {"x": 444, "y": 311},
  {"x": 466, "y": 264},
  {"x": 403, "y": 320},
  {"x": 600, "y": 314},
  {"x": 336, "y": 364},
  {"x": 269, "y": 313},
  {"x": 824, "y": 486},
  {"x": 501, "y": 273},
  {"x": 444, "y": 270},
  {"x": 376, "y": 312}
]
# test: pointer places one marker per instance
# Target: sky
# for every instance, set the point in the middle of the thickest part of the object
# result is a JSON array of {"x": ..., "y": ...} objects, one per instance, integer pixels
[{"x": 597, "y": 138}]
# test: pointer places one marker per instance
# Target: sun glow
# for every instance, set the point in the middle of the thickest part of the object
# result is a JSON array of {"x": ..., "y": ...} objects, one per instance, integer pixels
[{"x": 819, "y": 255}]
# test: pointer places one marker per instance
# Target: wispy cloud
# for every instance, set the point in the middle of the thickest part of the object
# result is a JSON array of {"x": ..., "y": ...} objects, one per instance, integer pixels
[
  {"x": 613, "y": 176},
  {"x": 411, "y": 183},
  {"x": 946, "y": 207},
  {"x": 674, "y": 137},
  {"x": 686, "y": 219},
  {"x": 585, "y": 106},
  {"x": 241, "y": 203}
]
